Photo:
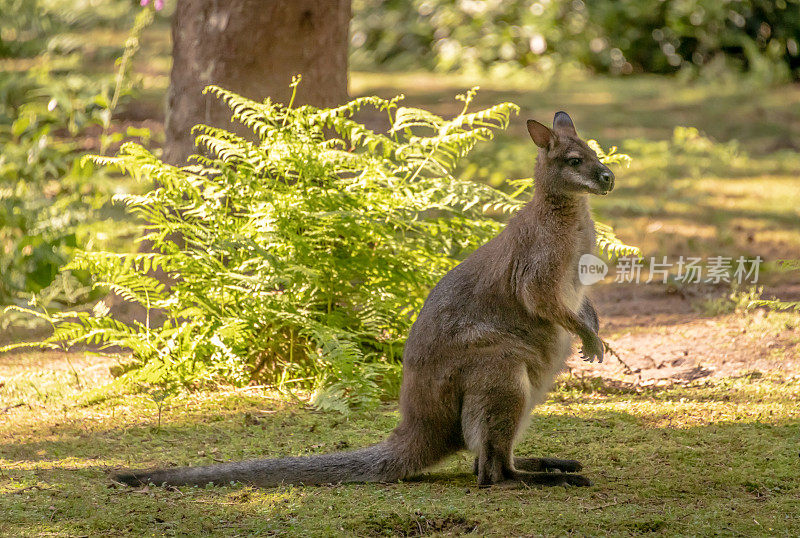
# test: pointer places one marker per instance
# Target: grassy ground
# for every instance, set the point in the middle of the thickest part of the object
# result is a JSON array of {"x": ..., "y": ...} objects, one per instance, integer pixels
[
  {"x": 717, "y": 456},
  {"x": 711, "y": 458}
]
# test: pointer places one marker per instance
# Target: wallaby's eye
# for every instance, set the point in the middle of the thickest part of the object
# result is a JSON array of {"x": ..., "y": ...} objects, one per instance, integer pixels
[{"x": 574, "y": 161}]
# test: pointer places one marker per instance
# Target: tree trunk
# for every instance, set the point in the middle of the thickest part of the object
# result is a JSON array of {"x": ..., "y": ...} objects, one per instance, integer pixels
[{"x": 252, "y": 47}]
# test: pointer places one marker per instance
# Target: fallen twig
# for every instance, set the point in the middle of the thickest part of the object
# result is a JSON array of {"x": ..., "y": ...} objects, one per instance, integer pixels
[
  {"x": 628, "y": 370},
  {"x": 10, "y": 407},
  {"x": 603, "y": 506}
]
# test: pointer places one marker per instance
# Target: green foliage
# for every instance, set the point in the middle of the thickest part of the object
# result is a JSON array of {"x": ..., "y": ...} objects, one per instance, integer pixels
[
  {"x": 688, "y": 153},
  {"x": 609, "y": 245},
  {"x": 49, "y": 200},
  {"x": 452, "y": 35},
  {"x": 608, "y": 35},
  {"x": 29, "y": 28},
  {"x": 301, "y": 258},
  {"x": 759, "y": 36},
  {"x": 738, "y": 299},
  {"x": 46, "y": 196},
  {"x": 775, "y": 304}
]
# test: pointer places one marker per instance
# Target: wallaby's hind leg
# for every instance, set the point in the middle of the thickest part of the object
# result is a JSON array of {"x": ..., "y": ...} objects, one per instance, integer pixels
[
  {"x": 490, "y": 422},
  {"x": 535, "y": 465},
  {"x": 490, "y": 418},
  {"x": 494, "y": 461}
]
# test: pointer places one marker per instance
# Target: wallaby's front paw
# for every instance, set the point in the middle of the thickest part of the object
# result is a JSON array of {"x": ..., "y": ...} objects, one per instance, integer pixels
[{"x": 592, "y": 348}]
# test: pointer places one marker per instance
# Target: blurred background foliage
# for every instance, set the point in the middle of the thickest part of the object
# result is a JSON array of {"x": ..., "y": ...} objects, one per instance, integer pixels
[
  {"x": 55, "y": 105},
  {"x": 614, "y": 36}
]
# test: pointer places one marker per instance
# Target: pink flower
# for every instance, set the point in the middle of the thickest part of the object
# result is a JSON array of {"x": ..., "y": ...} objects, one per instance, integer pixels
[{"x": 158, "y": 4}]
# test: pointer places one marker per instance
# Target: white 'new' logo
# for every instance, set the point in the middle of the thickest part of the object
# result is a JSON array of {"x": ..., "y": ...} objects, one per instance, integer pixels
[{"x": 591, "y": 269}]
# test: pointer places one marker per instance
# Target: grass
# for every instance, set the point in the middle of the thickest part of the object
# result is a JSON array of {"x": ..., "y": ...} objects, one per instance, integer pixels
[{"x": 714, "y": 458}]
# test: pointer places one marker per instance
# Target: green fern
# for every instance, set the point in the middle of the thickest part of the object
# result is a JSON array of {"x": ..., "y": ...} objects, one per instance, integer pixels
[
  {"x": 775, "y": 304},
  {"x": 609, "y": 245}
]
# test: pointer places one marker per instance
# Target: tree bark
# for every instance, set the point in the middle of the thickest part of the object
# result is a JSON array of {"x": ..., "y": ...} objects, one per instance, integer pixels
[{"x": 252, "y": 47}]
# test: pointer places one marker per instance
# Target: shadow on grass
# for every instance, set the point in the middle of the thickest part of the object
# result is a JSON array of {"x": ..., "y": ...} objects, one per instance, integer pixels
[
  {"x": 629, "y": 459},
  {"x": 235, "y": 435}
]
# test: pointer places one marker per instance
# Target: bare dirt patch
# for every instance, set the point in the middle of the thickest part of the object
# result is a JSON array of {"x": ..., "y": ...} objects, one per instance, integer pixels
[{"x": 660, "y": 337}]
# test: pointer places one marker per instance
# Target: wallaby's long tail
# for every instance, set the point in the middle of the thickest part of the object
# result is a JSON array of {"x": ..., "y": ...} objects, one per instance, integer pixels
[{"x": 383, "y": 462}]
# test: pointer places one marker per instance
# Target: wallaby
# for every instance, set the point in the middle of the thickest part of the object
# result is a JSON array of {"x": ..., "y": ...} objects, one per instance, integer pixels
[{"x": 489, "y": 340}]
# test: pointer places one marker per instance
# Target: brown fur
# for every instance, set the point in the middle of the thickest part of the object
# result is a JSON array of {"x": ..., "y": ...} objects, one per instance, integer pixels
[{"x": 485, "y": 348}]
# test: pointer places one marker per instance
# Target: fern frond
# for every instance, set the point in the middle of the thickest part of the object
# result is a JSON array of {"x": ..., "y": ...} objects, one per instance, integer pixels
[
  {"x": 408, "y": 117},
  {"x": 348, "y": 110},
  {"x": 774, "y": 304},
  {"x": 250, "y": 113},
  {"x": 610, "y": 246},
  {"x": 494, "y": 117}
]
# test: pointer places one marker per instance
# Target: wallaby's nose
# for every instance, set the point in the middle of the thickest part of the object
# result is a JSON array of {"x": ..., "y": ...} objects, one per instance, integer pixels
[{"x": 607, "y": 179}]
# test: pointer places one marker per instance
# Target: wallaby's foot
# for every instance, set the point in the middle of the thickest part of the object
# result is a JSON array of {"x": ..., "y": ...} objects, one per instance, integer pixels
[
  {"x": 540, "y": 479},
  {"x": 535, "y": 465},
  {"x": 525, "y": 474},
  {"x": 551, "y": 479}
]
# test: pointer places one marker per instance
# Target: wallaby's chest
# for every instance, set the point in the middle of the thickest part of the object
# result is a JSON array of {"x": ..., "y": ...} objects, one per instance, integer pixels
[{"x": 572, "y": 288}]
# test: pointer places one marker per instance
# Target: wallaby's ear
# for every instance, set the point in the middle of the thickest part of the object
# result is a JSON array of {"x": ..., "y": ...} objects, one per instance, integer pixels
[
  {"x": 541, "y": 134},
  {"x": 563, "y": 123}
]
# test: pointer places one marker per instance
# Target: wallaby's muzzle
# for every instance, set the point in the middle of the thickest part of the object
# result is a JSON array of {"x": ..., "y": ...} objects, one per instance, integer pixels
[
  {"x": 602, "y": 183},
  {"x": 606, "y": 181}
]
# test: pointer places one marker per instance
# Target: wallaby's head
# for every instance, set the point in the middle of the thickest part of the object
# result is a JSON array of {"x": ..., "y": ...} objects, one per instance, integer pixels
[{"x": 566, "y": 163}]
